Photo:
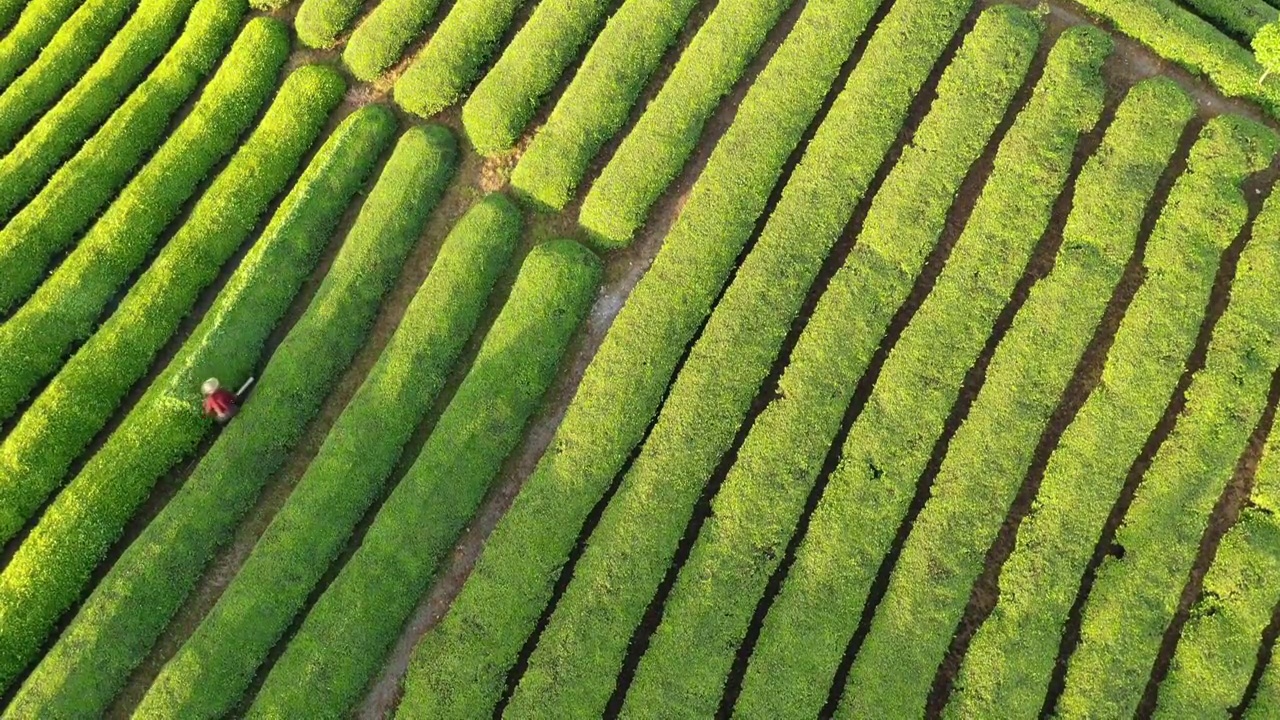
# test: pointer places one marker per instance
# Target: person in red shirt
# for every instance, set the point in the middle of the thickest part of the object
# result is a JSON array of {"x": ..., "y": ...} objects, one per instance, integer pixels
[{"x": 219, "y": 403}]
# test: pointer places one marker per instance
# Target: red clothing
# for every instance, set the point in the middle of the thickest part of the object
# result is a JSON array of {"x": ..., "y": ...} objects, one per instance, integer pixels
[{"x": 219, "y": 403}]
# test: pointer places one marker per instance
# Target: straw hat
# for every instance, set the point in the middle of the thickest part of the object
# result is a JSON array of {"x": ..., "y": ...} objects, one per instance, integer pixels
[{"x": 209, "y": 386}]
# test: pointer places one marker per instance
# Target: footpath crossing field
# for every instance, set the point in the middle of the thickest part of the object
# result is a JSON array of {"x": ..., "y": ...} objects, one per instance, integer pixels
[{"x": 639, "y": 358}]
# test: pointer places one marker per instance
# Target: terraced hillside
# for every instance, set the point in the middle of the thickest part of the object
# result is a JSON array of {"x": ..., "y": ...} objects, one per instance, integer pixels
[{"x": 639, "y": 358}]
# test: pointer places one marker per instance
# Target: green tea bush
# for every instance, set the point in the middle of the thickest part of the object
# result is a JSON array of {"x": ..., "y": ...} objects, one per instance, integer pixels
[
  {"x": 10, "y": 11},
  {"x": 452, "y": 60},
  {"x": 121, "y": 619},
  {"x": 30, "y": 32},
  {"x": 989, "y": 457},
  {"x": 583, "y": 647},
  {"x": 29, "y": 88},
  {"x": 320, "y": 22},
  {"x": 344, "y": 638},
  {"x": 1266, "y": 48},
  {"x": 460, "y": 667},
  {"x": 1010, "y": 660},
  {"x": 1133, "y": 598},
  {"x": 133, "y": 131},
  {"x": 78, "y": 191},
  {"x": 1266, "y": 701},
  {"x": 218, "y": 662},
  {"x": 664, "y": 137},
  {"x": 1174, "y": 33},
  {"x": 51, "y": 567},
  {"x": 1012, "y": 656},
  {"x": 1218, "y": 650},
  {"x": 67, "y": 307},
  {"x": 132, "y": 51},
  {"x": 505, "y": 100},
  {"x": 598, "y": 101},
  {"x": 381, "y": 38},
  {"x": 1241, "y": 19}
]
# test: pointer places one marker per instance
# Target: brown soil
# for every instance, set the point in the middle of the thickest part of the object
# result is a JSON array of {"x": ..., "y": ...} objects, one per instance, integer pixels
[
  {"x": 284, "y": 14},
  {"x": 1133, "y": 62},
  {"x": 1266, "y": 650}
]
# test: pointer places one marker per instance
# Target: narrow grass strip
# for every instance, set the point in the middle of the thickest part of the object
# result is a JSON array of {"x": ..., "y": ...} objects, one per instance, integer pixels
[
  {"x": 112, "y": 633},
  {"x": 1176, "y": 34},
  {"x": 505, "y": 100},
  {"x": 49, "y": 571},
  {"x": 133, "y": 131},
  {"x": 142, "y": 41},
  {"x": 1239, "y": 18},
  {"x": 215, "y": 666},
  {"x": 1011, "y": 657},
  {"x": 991, "y": 453},
  {"x": 656, "y": 149},
  {"x": 35, "y": 456},
  {"x": 345, "y": 637},
  {"x": 599, "y": 100},
  {"x": 1134, "y": 597},
  {"x": 32, "y": 30},
  {"x": 1218, "y": 650},
  {"x": 381, "y": 38},
  {"x": 320, "y": 22},
  {"x": 79, "y": 191},
  {"x": 762, "y": 498},
  {"x": 452, "y": 60},
  {"x": 583, "y": 647},
  {"x": 31, "y": 89},
  {"x": 460, "y": 667}
]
